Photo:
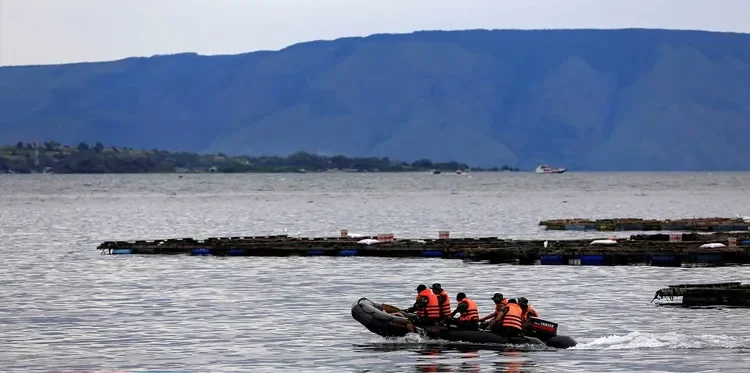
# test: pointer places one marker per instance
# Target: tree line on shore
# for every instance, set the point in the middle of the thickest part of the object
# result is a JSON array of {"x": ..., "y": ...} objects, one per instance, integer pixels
[{"x": 51, "y": 156}]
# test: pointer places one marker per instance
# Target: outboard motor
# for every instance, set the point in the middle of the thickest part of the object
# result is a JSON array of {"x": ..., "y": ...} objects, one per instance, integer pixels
[
  {"x": 547, "y": 332},
  {"x": 541, "y": 329}
]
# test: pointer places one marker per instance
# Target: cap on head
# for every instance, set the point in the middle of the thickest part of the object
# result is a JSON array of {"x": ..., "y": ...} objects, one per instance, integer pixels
[
  {"x": 497, "y": 296},
  {"x": 436, "y": 286},
  {"x": 421, "y": 287},
  {"x": 523, "y": 301},
  {"x": 511, "y": 301},
  {"x": 460, "y": 296}
]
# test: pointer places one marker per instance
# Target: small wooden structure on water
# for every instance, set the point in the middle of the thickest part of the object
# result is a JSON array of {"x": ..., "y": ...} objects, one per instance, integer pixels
[
  {"x": 716, "y": 224},
  {"x": 655, "y": 250},
  {"x": 716, "y": 294}
]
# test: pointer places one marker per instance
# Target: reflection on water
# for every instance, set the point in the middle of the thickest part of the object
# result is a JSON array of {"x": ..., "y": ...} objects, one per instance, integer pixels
[
  {"x": 433, "y": 345},
  {"x": 468, "y": 360},
  {"x": 436, "y": 356}
]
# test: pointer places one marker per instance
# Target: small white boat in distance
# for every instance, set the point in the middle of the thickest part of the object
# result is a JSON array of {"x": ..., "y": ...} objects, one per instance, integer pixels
[{"x": 545, "y": 169}]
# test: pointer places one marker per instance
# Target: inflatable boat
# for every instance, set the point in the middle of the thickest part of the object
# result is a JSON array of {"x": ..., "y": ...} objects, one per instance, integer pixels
[{"x": 373, "y": 317}]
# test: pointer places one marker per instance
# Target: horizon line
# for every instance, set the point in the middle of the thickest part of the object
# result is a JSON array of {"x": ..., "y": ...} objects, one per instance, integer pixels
[{"x": 80, "y": 62}]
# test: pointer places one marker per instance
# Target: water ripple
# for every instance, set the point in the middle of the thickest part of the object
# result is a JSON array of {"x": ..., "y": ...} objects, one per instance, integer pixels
[{"x": 68, "y": 308}]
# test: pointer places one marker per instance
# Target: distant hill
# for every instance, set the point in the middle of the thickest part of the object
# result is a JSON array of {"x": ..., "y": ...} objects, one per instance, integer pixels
[{"x": 583, "y": 99}]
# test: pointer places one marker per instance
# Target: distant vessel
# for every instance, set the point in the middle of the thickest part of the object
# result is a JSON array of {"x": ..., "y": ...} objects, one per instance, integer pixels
[{"x": 545, "y": 169}]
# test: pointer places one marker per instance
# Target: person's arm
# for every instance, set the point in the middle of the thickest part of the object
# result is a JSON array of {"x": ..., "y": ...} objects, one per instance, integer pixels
[
  {"x": 499, "y": 316},
  {"x": 420, "y": 303},
  {"x": 461, "y": 308},
  {"x": 483, "y": 319}
]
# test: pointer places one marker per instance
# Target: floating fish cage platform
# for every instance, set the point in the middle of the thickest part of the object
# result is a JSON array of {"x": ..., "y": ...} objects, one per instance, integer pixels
[
  {"x": 700, "y": 295},
  {"x": 708, "y": 250},
  {"x": 634, "y": 224}
]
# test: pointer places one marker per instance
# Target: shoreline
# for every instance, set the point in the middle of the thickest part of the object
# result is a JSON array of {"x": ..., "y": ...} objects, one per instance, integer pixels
[
  {"x": 463, "y": 172},
  {"x": 52, "y": 157}
]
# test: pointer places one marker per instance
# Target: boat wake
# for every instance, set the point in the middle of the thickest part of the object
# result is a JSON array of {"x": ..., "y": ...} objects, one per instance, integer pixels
[
  {"x": 638, "y": 340},
  {"x": 631, "y": 341}
]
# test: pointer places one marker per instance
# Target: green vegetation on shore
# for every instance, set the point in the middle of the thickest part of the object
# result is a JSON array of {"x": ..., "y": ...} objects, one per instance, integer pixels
[{"x": 53, "y": 157}]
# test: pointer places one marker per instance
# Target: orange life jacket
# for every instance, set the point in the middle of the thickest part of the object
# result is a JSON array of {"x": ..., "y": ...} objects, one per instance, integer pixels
[
  {"x": 432, "y": 310},
  {"x": 499, "y": 306},
  {"x": 530, "y": 312},
  {"x": 445, "y": 307},
  {"x": 514, "y": 317},
  {"x": 471, "y": 313}
]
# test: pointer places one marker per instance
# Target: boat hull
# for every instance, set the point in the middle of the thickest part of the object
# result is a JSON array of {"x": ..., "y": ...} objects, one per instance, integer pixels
[
  {"x": 543, "y": 169},
  {"x": 551, "y": 172},
  {"x": 372, "y": 317}
]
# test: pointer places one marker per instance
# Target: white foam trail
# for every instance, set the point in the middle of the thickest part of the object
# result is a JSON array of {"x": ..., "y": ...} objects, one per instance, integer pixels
[
  {"x": 408, "y": 339},
  {"x": 412, "y": 338},
  {"x": 638, "y": 340}
]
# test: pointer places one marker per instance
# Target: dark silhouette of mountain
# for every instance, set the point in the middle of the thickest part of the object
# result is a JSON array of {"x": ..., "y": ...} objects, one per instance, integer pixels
[{"x": 584, "y": 99}]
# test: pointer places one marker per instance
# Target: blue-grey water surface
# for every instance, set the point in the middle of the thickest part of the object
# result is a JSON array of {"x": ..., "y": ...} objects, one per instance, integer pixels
[{"x": 65, "y": 307}]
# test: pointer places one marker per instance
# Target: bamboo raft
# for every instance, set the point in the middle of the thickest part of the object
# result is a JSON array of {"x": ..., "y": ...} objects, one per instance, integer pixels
[
  {"x": 652, "y": 250},
  {"x": 715, "y": 224},
  {"x": 698, "y": 295}
]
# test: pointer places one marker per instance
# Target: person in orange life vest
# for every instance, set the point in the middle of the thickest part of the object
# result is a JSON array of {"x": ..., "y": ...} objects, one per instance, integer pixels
[
  {"x": 443, "y": 300},
  {"x": 500, "y": 301},
  {"x": 469, "y": 313},
  {"x": 528, "y": 311},
  {"x": 510, "y": 322},
  {"x": 426, "y": 306}
]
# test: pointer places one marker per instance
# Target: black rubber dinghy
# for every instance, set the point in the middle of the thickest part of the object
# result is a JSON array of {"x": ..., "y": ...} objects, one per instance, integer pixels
[{"x": 376, "y": 320}]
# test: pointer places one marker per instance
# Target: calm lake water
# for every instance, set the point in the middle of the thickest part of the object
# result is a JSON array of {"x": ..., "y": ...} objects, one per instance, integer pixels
[{"x": 65, "y": 307}]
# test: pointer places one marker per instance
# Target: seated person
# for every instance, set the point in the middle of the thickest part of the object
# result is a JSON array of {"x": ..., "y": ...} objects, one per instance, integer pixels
[
  {"x": 425, "y": 306},
  {"x": 528, "y": 311},
  {"x": 500, "y": 301},
  {"x": 444, "y": 300},
  {"x": 509, "y": 323},
  {"x": 469, "y": 318}
]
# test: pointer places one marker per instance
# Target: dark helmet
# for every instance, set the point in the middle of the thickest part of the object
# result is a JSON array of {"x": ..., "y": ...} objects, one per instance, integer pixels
[
  {"x": 512, "y": 301},
  {"x": 460, "y": 296},
  {"x": 436, "y": 287},
  {"x": 421, "y": 287},
  {"x": 523, "y": 301},
  {"x": 497, "y": 297}
]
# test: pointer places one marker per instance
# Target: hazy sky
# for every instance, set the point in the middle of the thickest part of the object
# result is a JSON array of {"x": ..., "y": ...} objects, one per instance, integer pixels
[{"x": 55, "y": 31}]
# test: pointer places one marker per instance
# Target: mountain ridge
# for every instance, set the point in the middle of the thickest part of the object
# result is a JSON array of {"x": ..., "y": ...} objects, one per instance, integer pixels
[{"x": 629, "y": 99}]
